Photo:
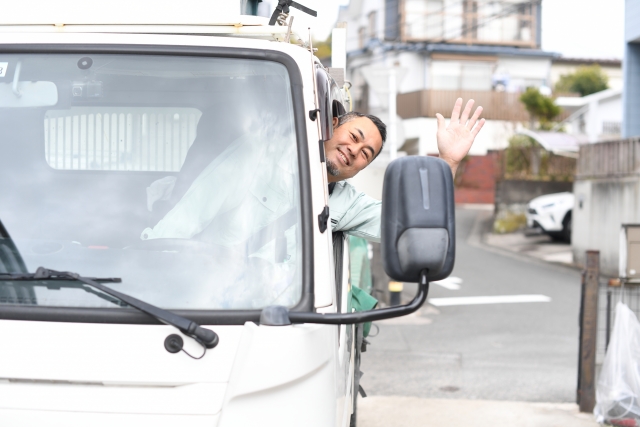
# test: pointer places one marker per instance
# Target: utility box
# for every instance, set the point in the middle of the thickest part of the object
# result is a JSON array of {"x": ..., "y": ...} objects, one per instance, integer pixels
[{"x": 630, "y": 252}]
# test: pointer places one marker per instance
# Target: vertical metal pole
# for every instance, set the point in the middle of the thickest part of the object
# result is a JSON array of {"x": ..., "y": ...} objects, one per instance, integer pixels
[
  {"x": 395, "y": 293},
  {"x": 608, "y": 332},
  {"x": 588, "y": 331},
  {"x": 392, "y": 133}
]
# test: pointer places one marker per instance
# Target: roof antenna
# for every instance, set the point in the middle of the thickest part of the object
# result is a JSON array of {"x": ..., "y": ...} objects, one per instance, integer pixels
[{"x": 281, "y": 13}]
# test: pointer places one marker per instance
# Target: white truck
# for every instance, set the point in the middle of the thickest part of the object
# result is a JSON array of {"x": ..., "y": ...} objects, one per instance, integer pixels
[{"x": 110, "y": 117}]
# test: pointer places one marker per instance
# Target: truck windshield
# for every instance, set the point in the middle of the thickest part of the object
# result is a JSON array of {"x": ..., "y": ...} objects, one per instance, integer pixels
[{"x": 177, "y": 174}]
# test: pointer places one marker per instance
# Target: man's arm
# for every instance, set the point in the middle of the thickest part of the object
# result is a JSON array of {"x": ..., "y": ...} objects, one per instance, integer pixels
[
  {"x": 354, "y": 212},
  {"x": 455, "y": 139}
]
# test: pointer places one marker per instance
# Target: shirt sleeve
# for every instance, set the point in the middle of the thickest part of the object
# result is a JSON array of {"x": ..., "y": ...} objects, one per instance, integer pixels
[{"x": 355, "y": 213}]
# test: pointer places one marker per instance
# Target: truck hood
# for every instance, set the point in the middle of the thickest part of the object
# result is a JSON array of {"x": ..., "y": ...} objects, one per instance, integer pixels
[{"x": 107, "y": 368}]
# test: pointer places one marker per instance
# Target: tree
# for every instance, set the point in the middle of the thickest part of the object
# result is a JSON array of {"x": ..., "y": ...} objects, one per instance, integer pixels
[
  {"x": 324, "y": 48},
  {"x": 545, "y": 110},
  {"x": 539, "y": 106},
  {"x": 587, "y": 79}
]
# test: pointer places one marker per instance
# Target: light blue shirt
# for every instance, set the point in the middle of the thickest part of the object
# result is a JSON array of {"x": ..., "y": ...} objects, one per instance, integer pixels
[{"x": 248, "y": 186}]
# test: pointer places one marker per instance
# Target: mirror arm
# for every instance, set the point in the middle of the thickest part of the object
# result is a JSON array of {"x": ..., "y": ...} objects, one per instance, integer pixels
[{"x": 369, "y": 315}]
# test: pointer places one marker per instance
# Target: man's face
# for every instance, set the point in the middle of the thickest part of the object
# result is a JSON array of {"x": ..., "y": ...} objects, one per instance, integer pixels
[{"x": 353, "y": 146}]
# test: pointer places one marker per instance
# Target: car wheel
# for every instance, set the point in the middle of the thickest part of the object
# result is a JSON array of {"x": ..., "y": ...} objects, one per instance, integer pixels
[{"x": 566, "y": 228}]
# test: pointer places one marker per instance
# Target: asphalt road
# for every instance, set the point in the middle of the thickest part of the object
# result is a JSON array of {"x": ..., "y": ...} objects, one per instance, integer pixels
[{"x": 501, "y": 351}]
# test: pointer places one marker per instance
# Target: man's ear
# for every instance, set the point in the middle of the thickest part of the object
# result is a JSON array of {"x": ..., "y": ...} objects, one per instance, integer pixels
[{"x": 335, "y": 122}]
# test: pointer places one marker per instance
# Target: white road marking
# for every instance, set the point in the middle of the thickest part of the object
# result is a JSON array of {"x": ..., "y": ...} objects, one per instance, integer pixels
[
  {"x": 451, "y": 283},
  {"x": 498, "y": 299}
]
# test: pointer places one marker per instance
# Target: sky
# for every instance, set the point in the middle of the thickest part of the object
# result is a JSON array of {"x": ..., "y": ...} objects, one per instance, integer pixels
[{"x": 574, "y": 28}]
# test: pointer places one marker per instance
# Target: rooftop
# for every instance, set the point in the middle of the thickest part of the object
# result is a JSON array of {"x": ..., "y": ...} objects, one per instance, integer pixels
[
  {"x": 374, "y": 44},
  {"x": 610, "y": 62}
]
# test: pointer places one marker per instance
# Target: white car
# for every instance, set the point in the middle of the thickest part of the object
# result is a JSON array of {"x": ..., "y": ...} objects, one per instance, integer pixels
[{"x": 552, "y": 214}]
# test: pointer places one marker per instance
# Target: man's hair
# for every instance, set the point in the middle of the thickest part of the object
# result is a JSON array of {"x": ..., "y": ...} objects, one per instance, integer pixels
[{"x": 382, "y": 128}]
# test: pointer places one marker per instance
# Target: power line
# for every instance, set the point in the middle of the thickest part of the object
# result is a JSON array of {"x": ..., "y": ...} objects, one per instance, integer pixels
[{"x": 453, "y": 34}]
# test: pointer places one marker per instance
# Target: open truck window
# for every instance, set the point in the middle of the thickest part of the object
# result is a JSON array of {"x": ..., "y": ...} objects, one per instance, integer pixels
[{"x": 178, "y": 175}]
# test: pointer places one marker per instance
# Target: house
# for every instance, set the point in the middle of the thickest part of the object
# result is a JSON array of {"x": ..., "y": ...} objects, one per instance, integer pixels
[
  {"x": 596, "y": 117},
  {"x": 607, "y": 185},
  {"x": 445, "y": 49}
]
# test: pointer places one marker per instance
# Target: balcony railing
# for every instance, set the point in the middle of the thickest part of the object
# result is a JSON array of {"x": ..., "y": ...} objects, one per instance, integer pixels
[
  {"x": 496, "y": 105},
  {"x": 471, "y": 22}
]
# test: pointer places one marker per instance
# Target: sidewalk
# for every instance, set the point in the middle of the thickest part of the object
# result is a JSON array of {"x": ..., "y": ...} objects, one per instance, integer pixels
[
  {"x": 538, "y": 246},
  {"x": 383, "y": 411}
]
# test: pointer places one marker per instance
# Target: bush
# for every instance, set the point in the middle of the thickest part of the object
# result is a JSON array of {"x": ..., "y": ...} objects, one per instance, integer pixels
[
  {"x": 587, "y": 79},
  {"x": 509, "y": 222},
  {"x": 539, "y": 106}
]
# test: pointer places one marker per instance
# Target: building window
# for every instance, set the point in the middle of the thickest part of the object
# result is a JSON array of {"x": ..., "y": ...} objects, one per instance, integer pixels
[
  {"x": 461, "y": 75},
  {"x": 611, "y": 128},
  {"x": 509, "y": 22}
]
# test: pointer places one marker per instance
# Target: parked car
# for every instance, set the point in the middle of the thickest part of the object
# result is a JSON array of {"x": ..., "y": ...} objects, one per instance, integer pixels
[{"x": 552, "y": 214}]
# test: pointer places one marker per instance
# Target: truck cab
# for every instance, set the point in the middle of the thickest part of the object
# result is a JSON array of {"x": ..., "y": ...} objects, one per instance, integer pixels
[{"x": 166, "y": 253}]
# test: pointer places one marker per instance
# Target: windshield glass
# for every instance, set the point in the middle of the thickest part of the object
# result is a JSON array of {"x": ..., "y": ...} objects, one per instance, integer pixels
[{"x": 177, "y": 174}]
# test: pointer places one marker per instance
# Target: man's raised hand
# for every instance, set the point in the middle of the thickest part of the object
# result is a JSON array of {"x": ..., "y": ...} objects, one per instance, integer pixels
[{"x": 455, "y": 140}]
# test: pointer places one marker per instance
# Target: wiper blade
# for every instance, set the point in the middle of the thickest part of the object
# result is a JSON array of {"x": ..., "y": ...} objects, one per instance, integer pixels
[
  {"x": 206, "y": 337},
  {"x": 38, "y": 275}
]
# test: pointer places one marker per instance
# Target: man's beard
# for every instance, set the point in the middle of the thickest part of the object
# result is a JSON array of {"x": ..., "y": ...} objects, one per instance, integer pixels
[{"x": 332, "y": 168}]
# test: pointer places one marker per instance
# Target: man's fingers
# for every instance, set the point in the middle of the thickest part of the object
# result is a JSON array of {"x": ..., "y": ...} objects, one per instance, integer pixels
[
  {"x": 474, "y": 118},
  {"x": 440, "y": 119},
  {"x": 466, "y": 112},
  {"x": 455, "y": 114},
  {"x": 476, "y": 129}
]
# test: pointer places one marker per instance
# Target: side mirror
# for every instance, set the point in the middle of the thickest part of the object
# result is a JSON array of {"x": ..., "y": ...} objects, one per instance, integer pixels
[
  {"x": 418, "y": 219},
  {"x": 418, "y": 238}
]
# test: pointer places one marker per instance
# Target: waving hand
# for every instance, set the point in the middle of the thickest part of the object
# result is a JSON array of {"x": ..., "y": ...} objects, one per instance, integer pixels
[{"x": 455, "y": 140}]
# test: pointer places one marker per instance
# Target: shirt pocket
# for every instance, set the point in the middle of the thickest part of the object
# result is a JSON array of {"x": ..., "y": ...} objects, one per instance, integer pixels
[{"x": 267, "y": 197}]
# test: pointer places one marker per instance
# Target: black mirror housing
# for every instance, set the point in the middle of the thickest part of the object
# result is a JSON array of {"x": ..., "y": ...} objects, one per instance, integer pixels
[{"x": 418, "y": 219}]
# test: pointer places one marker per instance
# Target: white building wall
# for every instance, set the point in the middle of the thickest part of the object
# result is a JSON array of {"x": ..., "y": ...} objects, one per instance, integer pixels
[
  {"x": 416, "y": 77},
  {"x": 602, "y": 206},
  {"x": 494, "y": 135},
  {"x": 591, "y": 112}
]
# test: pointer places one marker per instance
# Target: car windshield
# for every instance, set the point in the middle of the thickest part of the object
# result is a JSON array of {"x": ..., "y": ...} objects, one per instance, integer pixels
[{"x": 177, "y": 174}]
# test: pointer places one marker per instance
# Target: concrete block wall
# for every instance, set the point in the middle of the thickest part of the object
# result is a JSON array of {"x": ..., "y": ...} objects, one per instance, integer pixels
[
  {"x": 476, "y": 180},
  {"x": 601, "y": 207}
]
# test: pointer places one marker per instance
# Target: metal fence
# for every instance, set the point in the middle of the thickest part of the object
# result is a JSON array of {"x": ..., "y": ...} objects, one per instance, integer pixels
[
  {"x": 608, "y": 297},
  {"x": 609, "y": 159},
  {"x": 112, "y": 138}
]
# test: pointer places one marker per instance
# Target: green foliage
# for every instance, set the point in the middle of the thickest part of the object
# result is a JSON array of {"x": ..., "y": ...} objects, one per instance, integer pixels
[
  {"x": 539, "y": 106},
  {"x": 324, "y": 48},
  {"x": 509, "y": 222},
  {"x": 523, "y": 151},
  {"x": 587, "y": 79},
  {"x": 517, "y": 155}
]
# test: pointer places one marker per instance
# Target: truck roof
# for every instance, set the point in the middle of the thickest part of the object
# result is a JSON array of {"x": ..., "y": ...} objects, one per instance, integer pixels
[{"x": 215, "y": 17}]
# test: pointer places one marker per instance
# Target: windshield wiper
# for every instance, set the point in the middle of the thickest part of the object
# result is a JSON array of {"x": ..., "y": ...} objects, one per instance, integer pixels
[{"x": 206, "y": 337}]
